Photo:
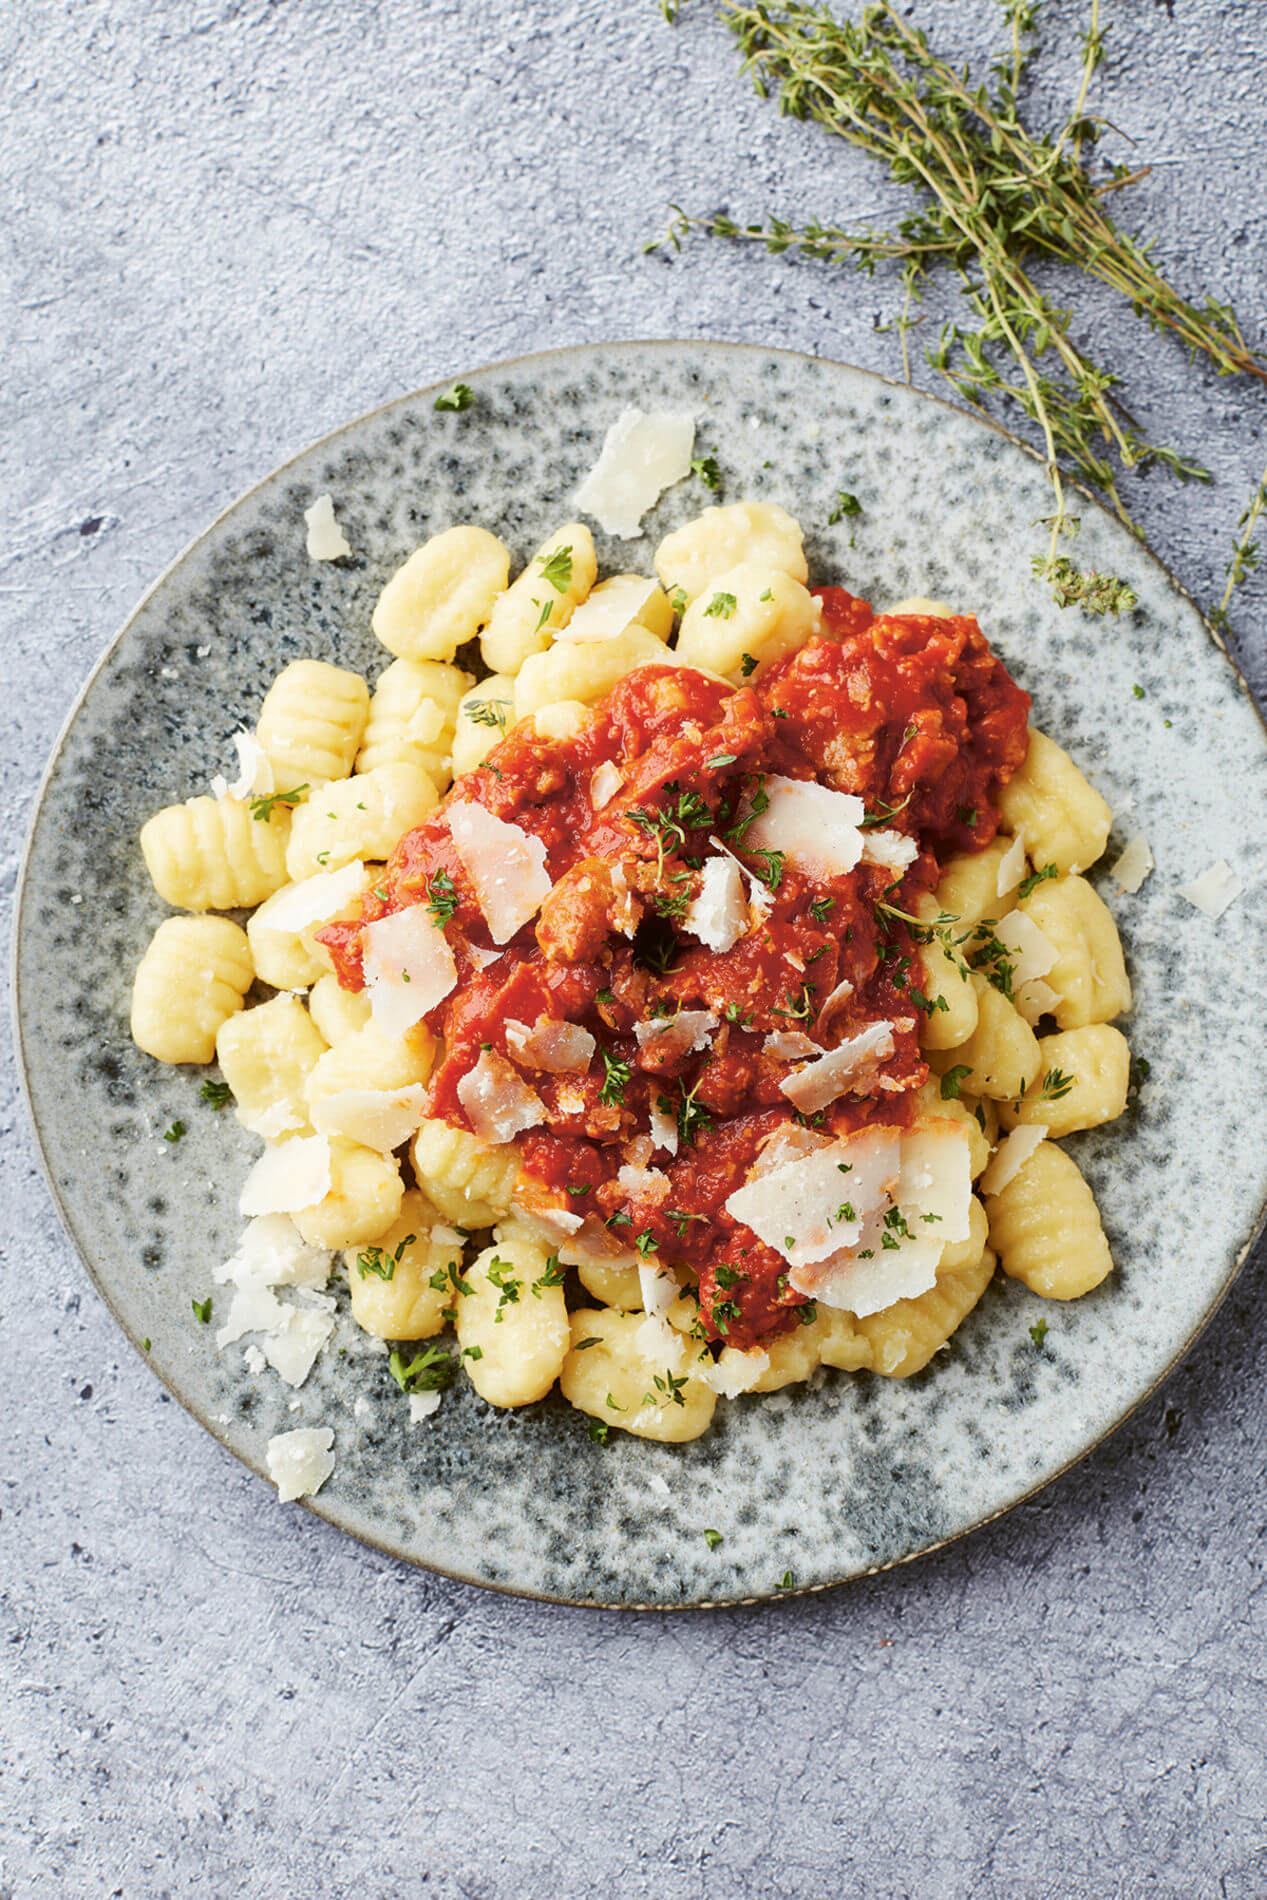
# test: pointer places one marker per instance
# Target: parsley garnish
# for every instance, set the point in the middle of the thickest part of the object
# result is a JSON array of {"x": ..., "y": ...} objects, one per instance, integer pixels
[
  {"x": 952, "y": 1081},
  {"x": 882, "y": 813},
  {"x": 846, "y": 504},
  {"x": 787, "y": 1581},
  {"x": 719, "y": 759},
  {"x": 262, "y": 803},
  {"x": 460, "y": 397},
  {"x": 217, "y": 1094},
  {"x": 202, "y": 1309},
  {"x": 554, "y": 1275},
  {"x": 692, "y": 1117},
  {"x": 381, "y": 1263},
  {"x": 175, "y": 1132},
  {"x": 616, "y": 1074},
  {"x": 1038, "y": 1332},
  {"x": 499, "y": 1275},
  {"x": 1027, "y": 884},
  {"x": 557, "y": 568},
  {"x": 645, "y": 1242},
  {"x": 598, "y": 1428},
  {"x": 669, "y": 1387},
  {"x": 747, "y": 665},
  {"x": 741, "y": 1018},
  {"x": 712, "y": 1539},
  {"x": 705, "y": 466},
  {"x": 442, "y": 897},
  {"x": 678, "y": 601},
  {"x": 428, "y": 1371},
  {"x": 822, "y": 909},
  {"x": 772, "y": 876},
  {"x": 720, "y": 607}
]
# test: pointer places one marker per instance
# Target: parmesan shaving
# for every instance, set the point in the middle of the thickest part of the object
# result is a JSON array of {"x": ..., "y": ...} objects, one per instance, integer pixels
[
  {"x": 735, "y": 1372},
  {"x": 760, "y": 902},
  {"x": 675, "y": 1036},
  {"x": 1011, "y": 866},
  {"x": 790, "y": 1045},
  {"x": 498, "y": 1102},
  {"x": 894, "y": 850},
  {"x": 663, "y": 1128},
  {"x": 605, "y": 782},
  {"x": 1032, "y": 954},
  {"x": 1134, "y": 865},
  {"x": 422, "y": 1406},
  {"x": 1011, "y": 1155},
  {"x": 831, "y": 1005},
  {"x": 505, "y": 863},
  {"x": 1214, "y": 890},
  {"x": 816, "y": 829},
  {"x": 558, "y": 1048},
  {"x": 326, "y": 540},
  {"x": 315, "y": 900},
  {"x": 642, "y": 455},
  {"x": 659, "y": 1289},
  {"x": 719, "y": 914},
  {"x": 376, "y": 1118},
  {"x": 409, "y": 968},
  {"x": 853, "y": 1063},
  {"x": 288, "y": 1178},
  {"x": 299, "y": 1462},
  {"x": 650, "y": 1183},
  {"x": 609, "y": 611}
]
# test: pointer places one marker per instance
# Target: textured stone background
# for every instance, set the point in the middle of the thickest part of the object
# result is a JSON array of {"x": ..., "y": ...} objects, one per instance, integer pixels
[{"x": 226, "y": 227}]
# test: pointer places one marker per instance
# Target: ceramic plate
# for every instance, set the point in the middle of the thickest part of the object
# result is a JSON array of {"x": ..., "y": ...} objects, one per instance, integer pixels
[{"x": 824, "y": 1482}]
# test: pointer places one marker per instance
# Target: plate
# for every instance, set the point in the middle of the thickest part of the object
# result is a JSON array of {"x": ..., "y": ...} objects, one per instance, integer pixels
[{"x": 816, "y": 1484}]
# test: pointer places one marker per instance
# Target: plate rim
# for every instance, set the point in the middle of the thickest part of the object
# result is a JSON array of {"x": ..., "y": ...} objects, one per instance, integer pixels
[{"x": 44, "y": 785}]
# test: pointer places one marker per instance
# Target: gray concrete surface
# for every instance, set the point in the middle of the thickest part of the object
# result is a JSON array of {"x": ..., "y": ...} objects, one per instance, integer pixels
[{"x": 227, "y": 226}]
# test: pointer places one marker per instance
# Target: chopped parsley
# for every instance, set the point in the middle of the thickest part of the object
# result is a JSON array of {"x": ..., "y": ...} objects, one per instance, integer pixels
[
  {"x": 216, "y": 1094},
  {"x": 678, "y": 601},
  {"x": 202, "y": 1309},
  {"x": 262, "y": 804},
  {"x": 846, "y": 505},
  {"x": 741, "y": 1018},
  {"x": 720, "y": 607},
  {"x": 617, "y": 1074},
  {"x": 381, "y": 1263},
  {"x": 442, "y": 897},
  {"x": 705, "y": 466},
  {"x": 952, "y": 1081},
  {"x": 645, "y": 1242},
  {"x": 554, "y": 1275},
  {"x": 712, "y": 1539},
  {"x": 883, "y": 813},
  {"x": 747, "y": 665},
  {"x": 772, "y": 875},
  {"x": 787, "y": 1581},
  {"x": 1038, "y": 1332},
  {"x": 822, "y": 909},
  {"x": 557, "y": 568},
  {"x": 599, "y": 1430},
  {"x": 455, "y": 400},
  {"x": 428, "y": 1371},
  {"x": 174, "y": 1133},
  {"x": 500, "y": 1276}
]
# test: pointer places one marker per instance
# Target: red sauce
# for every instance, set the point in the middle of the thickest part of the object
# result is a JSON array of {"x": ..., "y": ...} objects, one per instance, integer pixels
[{"x": 913, "y": 714}]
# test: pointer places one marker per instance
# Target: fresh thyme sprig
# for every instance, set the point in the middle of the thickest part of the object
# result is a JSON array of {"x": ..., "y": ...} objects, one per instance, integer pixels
[
  {"x": 997, "y": 197},
  {"x": 1244, "y": 552}
]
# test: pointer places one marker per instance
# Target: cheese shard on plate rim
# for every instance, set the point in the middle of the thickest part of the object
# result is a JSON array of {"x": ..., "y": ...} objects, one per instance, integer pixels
[
  {"x": 326, "y": 540},
  {"x": 1133, "y": 865},
  {"x": 1011, "y": 1155},
  {"x": 641, "y": 456},
  {"x": 855, "y": 1060},
  {"x": 409, "y": 968},
  {"x": 498, "y": 1102},
  {"x": 288, "y": 1178},
  {"x": 817, "y": 830},
  {"x": 299, "y": 1462},
  {"x": 1214, "y": 890},
  {"x": 255, "y": 770},
  {"x": 505, "y": 863}
]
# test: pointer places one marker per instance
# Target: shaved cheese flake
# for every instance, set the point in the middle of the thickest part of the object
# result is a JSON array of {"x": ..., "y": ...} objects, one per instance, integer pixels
[
  {"x": 853, "y": 1063},
  {"x": 659, "y": 1343},
  {"x": 1035, "y": 1000},
  {"x": 498, "y": 1102},
  {"x": 659, "y": 1288},
  {"x": 832, "y": 1005},
  {"x": 376, "y": 1118},
  {"x": 1134, "y": 865},
  {"x": 554, "y": 1224},
  {"x": 481, "y": 956},
  {"x": 270, "y": 1123},
  {"x": 558, "y": 1048},
  {"x": 271, "y": 1253},
  {"x": 760, "y": 902},
  {"x": 409, "y": 968},
  {"x": 642, "y": 455},
  {"x": 719, "y": 915},
  {"x": 735, "y": 1372},
  {"x": 862, "y": 1287},
  {"x": 624, "y": 916},
  {"x": 816, "y": 829},
  {"x": 1011, "y": 866},
  {"x": 1214, "y": 890},
  {"x": 605, "y": 782},
  {"x": 315, "y": 900},
  {"x": 608, "y": 613},
  {"x": 663, "y": 1128},
  {"x": 674, "y": 1036},
  {"x": 788, "y": 1143},
  {"x": 288, "y": 1178},
  {"x": 935, "y": 1188},
  {"x": 422, "y": 1406},
  {"x": 291, "y": 1347},
  {"x": 1031, "y": 953},
  {"x": 801, "y": 1207},
  {"x": 650, "y": 1183},
  {"x": 326, "y": 540},
  {"x": 255, "y": 771},
  {"x": 426, "y": 723},
  {"x": 790, "y": 1045},
  {"x": 891, "y": 849},
  {"x": 1011, "y": 1155},
  {"x": 299, "y": 1462},
  {"x": 505, "y": 863}
]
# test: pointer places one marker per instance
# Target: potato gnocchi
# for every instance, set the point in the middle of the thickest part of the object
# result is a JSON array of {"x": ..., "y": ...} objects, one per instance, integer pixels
[{"x": 911, "y": 1097}]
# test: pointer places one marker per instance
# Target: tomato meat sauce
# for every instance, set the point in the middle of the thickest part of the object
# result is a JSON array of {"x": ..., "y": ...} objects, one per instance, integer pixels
[{"x": 637, "y": 1154}]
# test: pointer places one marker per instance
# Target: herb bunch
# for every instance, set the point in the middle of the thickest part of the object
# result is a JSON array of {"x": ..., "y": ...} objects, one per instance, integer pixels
[{"x": 997, "y": 199}]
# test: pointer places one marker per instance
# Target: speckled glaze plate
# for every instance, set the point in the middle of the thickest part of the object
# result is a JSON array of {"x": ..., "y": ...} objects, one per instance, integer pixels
[{"x": 825, "y": 1482}]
